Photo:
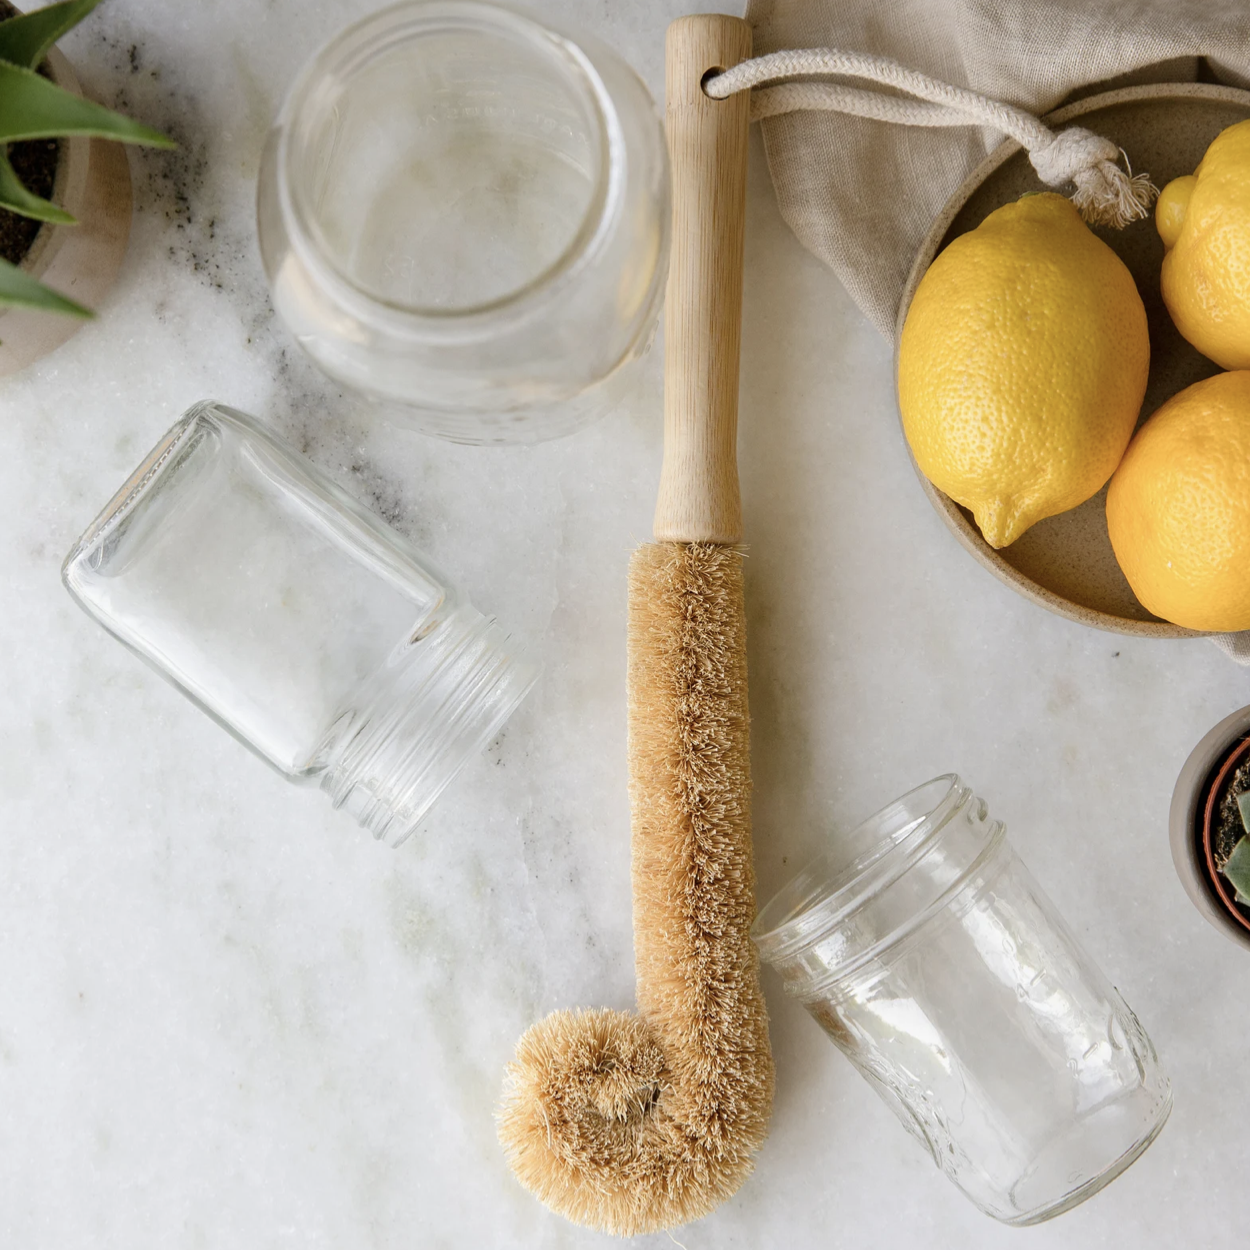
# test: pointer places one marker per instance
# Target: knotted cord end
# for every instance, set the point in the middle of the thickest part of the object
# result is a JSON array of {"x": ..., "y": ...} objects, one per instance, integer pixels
[{"x": 1106, "y": 194}]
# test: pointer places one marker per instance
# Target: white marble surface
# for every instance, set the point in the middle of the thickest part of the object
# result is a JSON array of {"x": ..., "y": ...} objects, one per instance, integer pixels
[{"x": 229, "y": 1019}]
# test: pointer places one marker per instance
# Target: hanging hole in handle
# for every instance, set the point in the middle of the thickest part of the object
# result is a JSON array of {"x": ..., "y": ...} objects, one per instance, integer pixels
[{"x": 710, "y": 73}]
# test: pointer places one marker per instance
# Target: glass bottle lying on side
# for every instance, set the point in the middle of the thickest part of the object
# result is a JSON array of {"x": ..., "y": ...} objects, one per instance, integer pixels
[
  {"x": 927, "y": 952},
  {"x": 314, "y": 633}
]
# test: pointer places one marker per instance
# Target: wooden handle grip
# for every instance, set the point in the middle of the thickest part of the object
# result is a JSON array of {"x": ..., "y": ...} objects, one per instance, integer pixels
[{"x": 707, "y": 143}]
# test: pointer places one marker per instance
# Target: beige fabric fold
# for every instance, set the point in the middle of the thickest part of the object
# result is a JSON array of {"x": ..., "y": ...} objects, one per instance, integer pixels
[{"x": 861, "y": 193}]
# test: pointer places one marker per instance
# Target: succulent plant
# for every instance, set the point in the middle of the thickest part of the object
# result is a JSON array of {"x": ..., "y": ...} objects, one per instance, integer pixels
[
  {"x": 1236, "y": 864},
  {"x": 34, "y": 107}
]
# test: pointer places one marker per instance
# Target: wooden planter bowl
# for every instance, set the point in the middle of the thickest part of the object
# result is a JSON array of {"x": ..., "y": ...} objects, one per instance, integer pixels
[
  {"x": 1065, "y": 563},
  {"x": 82, "y": 261}
]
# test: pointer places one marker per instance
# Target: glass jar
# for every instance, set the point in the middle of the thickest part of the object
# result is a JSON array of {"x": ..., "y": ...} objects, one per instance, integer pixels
[
  {"x": 463, "y": 215},
  {"x": 935, "y": 963},
  {"x": 315, "y": 634}
]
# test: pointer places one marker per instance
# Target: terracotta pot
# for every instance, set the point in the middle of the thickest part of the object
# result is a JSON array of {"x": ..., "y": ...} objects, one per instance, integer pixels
[
  {"x": 1218, "y": 882},
  {"x": 1190, "y": 818},
  {"x": 82, "y": 261}
]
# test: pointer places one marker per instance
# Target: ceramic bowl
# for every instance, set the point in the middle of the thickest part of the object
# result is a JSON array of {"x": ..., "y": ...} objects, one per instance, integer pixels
[
  {"x": 1185, "y": 821},
  {"x": 1065, "y": 563}
]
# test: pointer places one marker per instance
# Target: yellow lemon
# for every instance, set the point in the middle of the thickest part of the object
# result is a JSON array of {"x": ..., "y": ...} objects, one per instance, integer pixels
[
  {"x": 1022, "y": 366},
  {"x": 1178, "y": 509},
  {"x": 1204, "y": 222}
]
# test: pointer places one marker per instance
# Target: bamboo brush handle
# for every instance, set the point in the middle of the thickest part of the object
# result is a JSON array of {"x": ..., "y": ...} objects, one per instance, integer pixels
[{"x": 707, "y": 142}]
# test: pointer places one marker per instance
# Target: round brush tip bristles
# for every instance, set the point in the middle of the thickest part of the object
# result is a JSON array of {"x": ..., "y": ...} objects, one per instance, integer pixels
[{"x": 633, "y": 1124}]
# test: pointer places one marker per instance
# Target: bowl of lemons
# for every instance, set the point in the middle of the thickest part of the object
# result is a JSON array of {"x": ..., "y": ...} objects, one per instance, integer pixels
[{"x": 1077, "y": 400}]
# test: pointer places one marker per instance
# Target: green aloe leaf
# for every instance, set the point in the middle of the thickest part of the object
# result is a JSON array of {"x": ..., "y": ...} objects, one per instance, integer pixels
[
  {"x": 1237, "y": 870},
  {"x": 15, "y": 197},
  {"x": 1243, "y": 809},
  {"x": 31, "y": 107},
  {"x": 25, "y": 39},
  {"x": 18, "y": 287}
]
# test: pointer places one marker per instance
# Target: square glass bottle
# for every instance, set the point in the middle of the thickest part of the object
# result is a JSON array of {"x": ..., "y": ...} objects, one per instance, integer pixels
[{"x": 313, "y": 632}]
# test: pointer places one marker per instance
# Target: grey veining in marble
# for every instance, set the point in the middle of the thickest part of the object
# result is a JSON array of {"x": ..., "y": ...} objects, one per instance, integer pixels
[{"x": 229, "y": 1019}]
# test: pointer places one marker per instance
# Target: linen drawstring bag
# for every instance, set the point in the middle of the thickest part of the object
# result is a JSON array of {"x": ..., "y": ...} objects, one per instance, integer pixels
[{"x": 923, "y": 90}]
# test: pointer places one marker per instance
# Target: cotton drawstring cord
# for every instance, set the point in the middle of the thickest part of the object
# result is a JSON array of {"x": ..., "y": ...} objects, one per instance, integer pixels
[{"x": 1105, "y": 194}]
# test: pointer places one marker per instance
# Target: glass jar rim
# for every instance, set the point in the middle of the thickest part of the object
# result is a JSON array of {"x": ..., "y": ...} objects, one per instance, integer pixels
[
  {"x": 841, "y": 880},
  {"x": 352, "y": 48}
]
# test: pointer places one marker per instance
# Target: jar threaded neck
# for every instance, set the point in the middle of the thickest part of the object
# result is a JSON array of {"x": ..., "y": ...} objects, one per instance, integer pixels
[
  {"x": 880, "y": 883},
  {"x": 435, "y": 705}
]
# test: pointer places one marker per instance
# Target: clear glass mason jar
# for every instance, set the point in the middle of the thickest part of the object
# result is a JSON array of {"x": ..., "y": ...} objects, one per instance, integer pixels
[
  {"x": 463, "y": 215},
  {"x": 929, "y": 955},
  {"x": 315, "y": 634}
]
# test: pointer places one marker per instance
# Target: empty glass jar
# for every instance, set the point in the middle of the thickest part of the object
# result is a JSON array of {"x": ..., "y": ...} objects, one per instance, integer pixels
[
  {"x": 927, "y": 952},
  {"x": 463, "y": 214},
  {"x": 311, "y": 631}
]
